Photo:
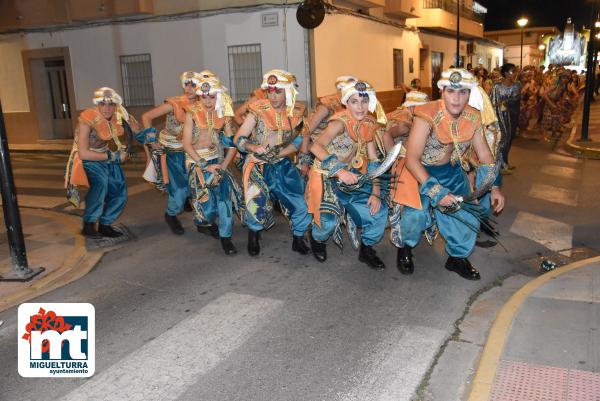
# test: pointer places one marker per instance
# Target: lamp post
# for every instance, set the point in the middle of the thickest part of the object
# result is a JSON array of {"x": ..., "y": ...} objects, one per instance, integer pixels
[{"x": 522, "y": 22}]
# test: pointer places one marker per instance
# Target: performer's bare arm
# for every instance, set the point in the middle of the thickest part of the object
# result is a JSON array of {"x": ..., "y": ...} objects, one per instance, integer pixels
[
  {"x": 485, "y": 157},
  {"x": 415, "y": 146},
  {"x": 154, "y": 113},
  {"x": 334, "y": 128},
  {"x": 246, "y": 130},
  {"x": 395, "y": 131},
  {"x": 313, "y": 122},
  {"x": 414, "y": 150},
  {"x": 230, "y": 153},
  {"x": 375, "y": 199},
  {"x": 186, "y": 140},
  {"x": 83, "y": 145}
]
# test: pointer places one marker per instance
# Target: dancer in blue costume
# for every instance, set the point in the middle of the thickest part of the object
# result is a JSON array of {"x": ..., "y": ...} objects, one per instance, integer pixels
[
  {"x": 343, "y": 151},
  {"x": 167, "y": 145},
  {"x": 443, "y": 134},
  {"x": 207, "y": 132},
  {"x": 270, "y": 133},
  {"x": 95, "y": 163}
]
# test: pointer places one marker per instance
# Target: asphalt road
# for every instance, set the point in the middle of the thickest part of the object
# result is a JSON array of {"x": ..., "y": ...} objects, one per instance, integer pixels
[{"x": 178, "y": 320}]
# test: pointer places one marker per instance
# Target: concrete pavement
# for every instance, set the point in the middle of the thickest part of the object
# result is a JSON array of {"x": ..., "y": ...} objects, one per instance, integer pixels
[{"x": 545, "y": 342}]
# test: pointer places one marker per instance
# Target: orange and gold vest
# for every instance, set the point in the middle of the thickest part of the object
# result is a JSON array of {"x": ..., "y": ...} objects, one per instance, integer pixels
[
  {"x": 353, "y": 141},
  {"x": 447, "y": 130},
  {"x": 170, "y": 136},
  {"x": 333, "y": 105},
  {"x": 102, "y": 130},
  {"x": 273, "y": 127}
]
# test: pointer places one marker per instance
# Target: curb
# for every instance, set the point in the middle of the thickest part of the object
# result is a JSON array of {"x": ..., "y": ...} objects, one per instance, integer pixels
[
  {"x": 492, "y": 351},
  {"x": 578, "y": 150},
  {"x": 77, "y": 264}
]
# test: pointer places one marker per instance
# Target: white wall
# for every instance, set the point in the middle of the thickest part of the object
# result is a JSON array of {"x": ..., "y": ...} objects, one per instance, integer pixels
[
  {"x": 347, "y": 45},
  {"x": 13, "y": 90},
  {"x": 175, "y": 46}
]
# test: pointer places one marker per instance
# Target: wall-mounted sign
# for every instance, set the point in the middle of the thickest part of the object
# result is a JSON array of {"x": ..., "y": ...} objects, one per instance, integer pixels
[{"x": 269, "y": 19}]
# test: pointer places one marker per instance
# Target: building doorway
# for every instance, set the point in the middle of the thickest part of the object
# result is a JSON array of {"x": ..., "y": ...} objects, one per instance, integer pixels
[
  {"x": 437, "y": 61},
  {"x": 50, "y": 88}
]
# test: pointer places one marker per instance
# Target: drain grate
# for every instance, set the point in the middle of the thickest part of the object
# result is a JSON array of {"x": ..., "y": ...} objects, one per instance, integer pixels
[
  {"x": 93, "y": 244},
  {"x": 560, "y": 258},
  {"x": 520, "y": 381}
]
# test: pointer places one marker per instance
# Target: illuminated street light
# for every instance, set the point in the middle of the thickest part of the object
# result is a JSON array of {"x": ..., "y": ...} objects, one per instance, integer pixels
[
  {"x": 522, "y": 22},
  {"x": 542, "y": 46}
]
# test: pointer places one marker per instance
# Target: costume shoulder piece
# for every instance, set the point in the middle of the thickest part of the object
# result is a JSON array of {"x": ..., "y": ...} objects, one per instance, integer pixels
[
  {"x": 204, "y": 119},
  {"x": 105, "y": 129},
  {"x": 179, "y": 104},
  {"x": 449, "y": 129},
  {"x": 400, "y": 115},
  {"x": 332, "y": 102},
  {"x": 273, "y": 120},
  {"x": 258, "y": 93},
  {"x": 430, "y": 112},
  {"x": 366, "y": 128}
]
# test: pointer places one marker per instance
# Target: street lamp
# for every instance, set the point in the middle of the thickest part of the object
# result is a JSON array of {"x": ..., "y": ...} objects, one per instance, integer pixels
[{"x": 522, "y": 22}]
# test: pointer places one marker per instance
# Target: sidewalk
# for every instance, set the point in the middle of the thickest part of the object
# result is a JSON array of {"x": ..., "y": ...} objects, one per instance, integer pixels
[
  {"x": 52, "y": 241},
  {"x": 545, "y": 341},
  {"x": 591, "y": 148}
]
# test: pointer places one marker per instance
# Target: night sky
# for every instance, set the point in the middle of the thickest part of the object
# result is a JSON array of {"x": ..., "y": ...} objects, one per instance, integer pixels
[{"x": 503, "y": 14}]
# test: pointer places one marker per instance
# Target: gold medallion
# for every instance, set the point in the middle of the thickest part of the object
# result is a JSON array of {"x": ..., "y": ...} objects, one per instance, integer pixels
[{"x": 357, "y": 162}]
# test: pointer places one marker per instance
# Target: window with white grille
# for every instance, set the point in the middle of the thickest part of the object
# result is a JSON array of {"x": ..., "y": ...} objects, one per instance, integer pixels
[
  {"x": 245, "y": 70},
  {"x": 136, "y": 73}
]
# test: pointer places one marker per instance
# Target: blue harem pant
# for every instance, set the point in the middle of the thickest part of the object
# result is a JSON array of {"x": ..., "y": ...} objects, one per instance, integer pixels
[
  {"x": 107, "y": 195},
  {"x": 459, "y": 229},
  {"x": 286, "y": 186},
  {"x": 355, "y": 203},
  {"x": 212, "y": 203},
  {"x": 177, "y": 189}
]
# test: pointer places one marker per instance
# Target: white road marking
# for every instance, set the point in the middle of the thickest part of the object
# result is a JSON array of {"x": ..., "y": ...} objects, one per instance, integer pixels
[
  {"x": 559, "y": 171},
  {"x": 395, "y": 371},
  {"x": 561, "y": 158},
  {"x": 554, "y": 235},
  {"x": 165, "y": 367},
  {"x": 554, "y": 194}
]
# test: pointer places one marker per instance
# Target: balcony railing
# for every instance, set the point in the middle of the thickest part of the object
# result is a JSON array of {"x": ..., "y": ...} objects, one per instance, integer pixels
[{"x": 450, "y": 6}]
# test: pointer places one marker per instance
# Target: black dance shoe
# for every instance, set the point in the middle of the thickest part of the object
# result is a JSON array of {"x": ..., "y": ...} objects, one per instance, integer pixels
[
  {"x": 212, "y": 230},
  {"x": 367, "y": 255},
  {"x": 89, "y": 230},
  {"x": 319, "y": 249},
  {"x": 463, "y": 267},
  {"x": 228, "y": 246},
  {"x": 298, "y": 245},
  {"x": 404, "y": 261},
  {"x": 253, "y": 243},
  {"x": 174, "y": 224},
  {"x": 108, "y": 231}
]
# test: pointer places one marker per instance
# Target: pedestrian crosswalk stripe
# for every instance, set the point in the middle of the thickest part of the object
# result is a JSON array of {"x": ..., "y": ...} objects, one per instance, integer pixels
[
  {"x": 558, "y": 171},
  {"x": 395, "y": 371},
  {"x": 554, "y": 194},
  {"x": 561, "y": 158},
  {"x": 165, "y": 367},
  {"x": 554, "y": 235}
]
